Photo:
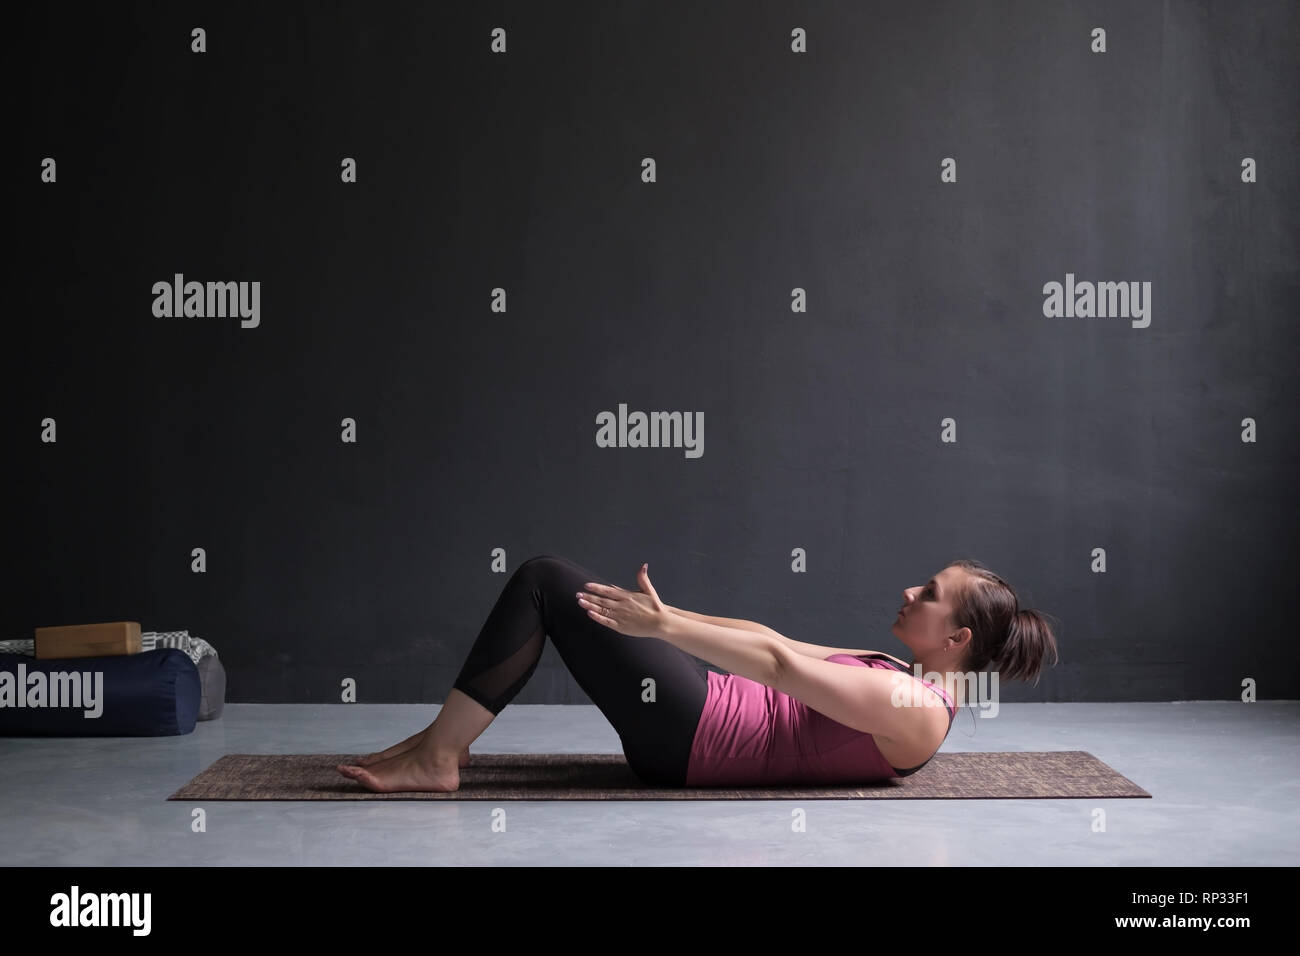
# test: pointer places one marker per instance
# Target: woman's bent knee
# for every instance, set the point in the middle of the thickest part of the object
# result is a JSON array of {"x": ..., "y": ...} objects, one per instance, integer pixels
[{"x": 542, "y": 562}]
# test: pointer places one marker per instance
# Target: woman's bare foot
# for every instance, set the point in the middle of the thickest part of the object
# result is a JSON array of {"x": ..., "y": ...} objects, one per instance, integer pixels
[
  {"x": 413, "y": 741},
  {"x": 416, "y": 769}
]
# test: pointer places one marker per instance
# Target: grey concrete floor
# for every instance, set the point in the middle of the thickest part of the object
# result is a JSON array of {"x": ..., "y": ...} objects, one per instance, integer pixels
[{"x": 1223, "y": 779}]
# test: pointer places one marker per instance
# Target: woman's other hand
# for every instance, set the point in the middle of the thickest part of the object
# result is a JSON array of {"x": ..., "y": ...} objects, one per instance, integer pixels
[{"x": 634, "y": 613}]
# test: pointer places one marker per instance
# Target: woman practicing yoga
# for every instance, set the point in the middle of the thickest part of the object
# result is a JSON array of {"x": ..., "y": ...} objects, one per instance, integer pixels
[{"x": 786, "y": 712}]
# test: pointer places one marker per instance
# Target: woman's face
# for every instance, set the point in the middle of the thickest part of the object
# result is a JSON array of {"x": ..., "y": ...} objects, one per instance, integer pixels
[{"x": 925, "y": 619}]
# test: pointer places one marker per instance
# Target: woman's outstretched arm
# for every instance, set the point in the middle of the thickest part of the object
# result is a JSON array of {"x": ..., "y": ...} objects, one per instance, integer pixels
[
  {"x": 751, "y": 654},
  {"x": 809, "y": 650}
]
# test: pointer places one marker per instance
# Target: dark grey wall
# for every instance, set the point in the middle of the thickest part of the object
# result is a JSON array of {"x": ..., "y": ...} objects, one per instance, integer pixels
[{"x": 776, "y": 170}]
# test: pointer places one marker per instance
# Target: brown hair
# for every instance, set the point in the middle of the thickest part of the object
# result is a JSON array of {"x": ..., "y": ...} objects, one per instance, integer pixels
[{"x": 1014, "y": 639}]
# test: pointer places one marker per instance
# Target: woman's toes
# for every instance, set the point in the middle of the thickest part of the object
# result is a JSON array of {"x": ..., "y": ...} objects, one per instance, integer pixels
[{"x": 362, "y": 776}]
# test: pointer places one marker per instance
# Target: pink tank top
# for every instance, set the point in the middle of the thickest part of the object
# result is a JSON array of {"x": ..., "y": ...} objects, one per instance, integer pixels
[{"x": 750, "y": 733}]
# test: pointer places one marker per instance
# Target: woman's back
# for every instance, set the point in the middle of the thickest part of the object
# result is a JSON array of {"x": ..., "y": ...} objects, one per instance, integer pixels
[{"x": 750, "y": 734}]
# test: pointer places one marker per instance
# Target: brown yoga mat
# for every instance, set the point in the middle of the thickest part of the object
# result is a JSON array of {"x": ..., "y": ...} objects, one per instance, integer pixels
[{"x": 1059, "y": 774}]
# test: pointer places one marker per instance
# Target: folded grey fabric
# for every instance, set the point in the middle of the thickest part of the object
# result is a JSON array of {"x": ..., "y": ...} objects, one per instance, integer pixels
[
  {"x": 196, "y": 647},
  {"x": 212, "y": 680}
]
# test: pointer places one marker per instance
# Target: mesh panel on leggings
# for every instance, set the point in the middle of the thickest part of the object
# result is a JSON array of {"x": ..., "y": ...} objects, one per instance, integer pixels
[{"x": 494, "y": 684}]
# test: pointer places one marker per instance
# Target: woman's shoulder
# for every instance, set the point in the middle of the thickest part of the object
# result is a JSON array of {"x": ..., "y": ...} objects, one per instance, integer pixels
[{"x": 900, "y": 663}]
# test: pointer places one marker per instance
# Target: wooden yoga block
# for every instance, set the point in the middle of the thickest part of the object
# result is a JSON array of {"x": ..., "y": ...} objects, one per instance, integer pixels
[{"x": 88, "y": 640}]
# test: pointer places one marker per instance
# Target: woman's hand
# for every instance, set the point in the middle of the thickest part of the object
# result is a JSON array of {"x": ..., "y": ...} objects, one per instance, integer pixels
[{"x": 634, "y": 613}]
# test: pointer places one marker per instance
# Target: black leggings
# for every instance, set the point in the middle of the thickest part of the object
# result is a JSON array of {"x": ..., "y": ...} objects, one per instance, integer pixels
[{"x": 540, "y": 599}]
